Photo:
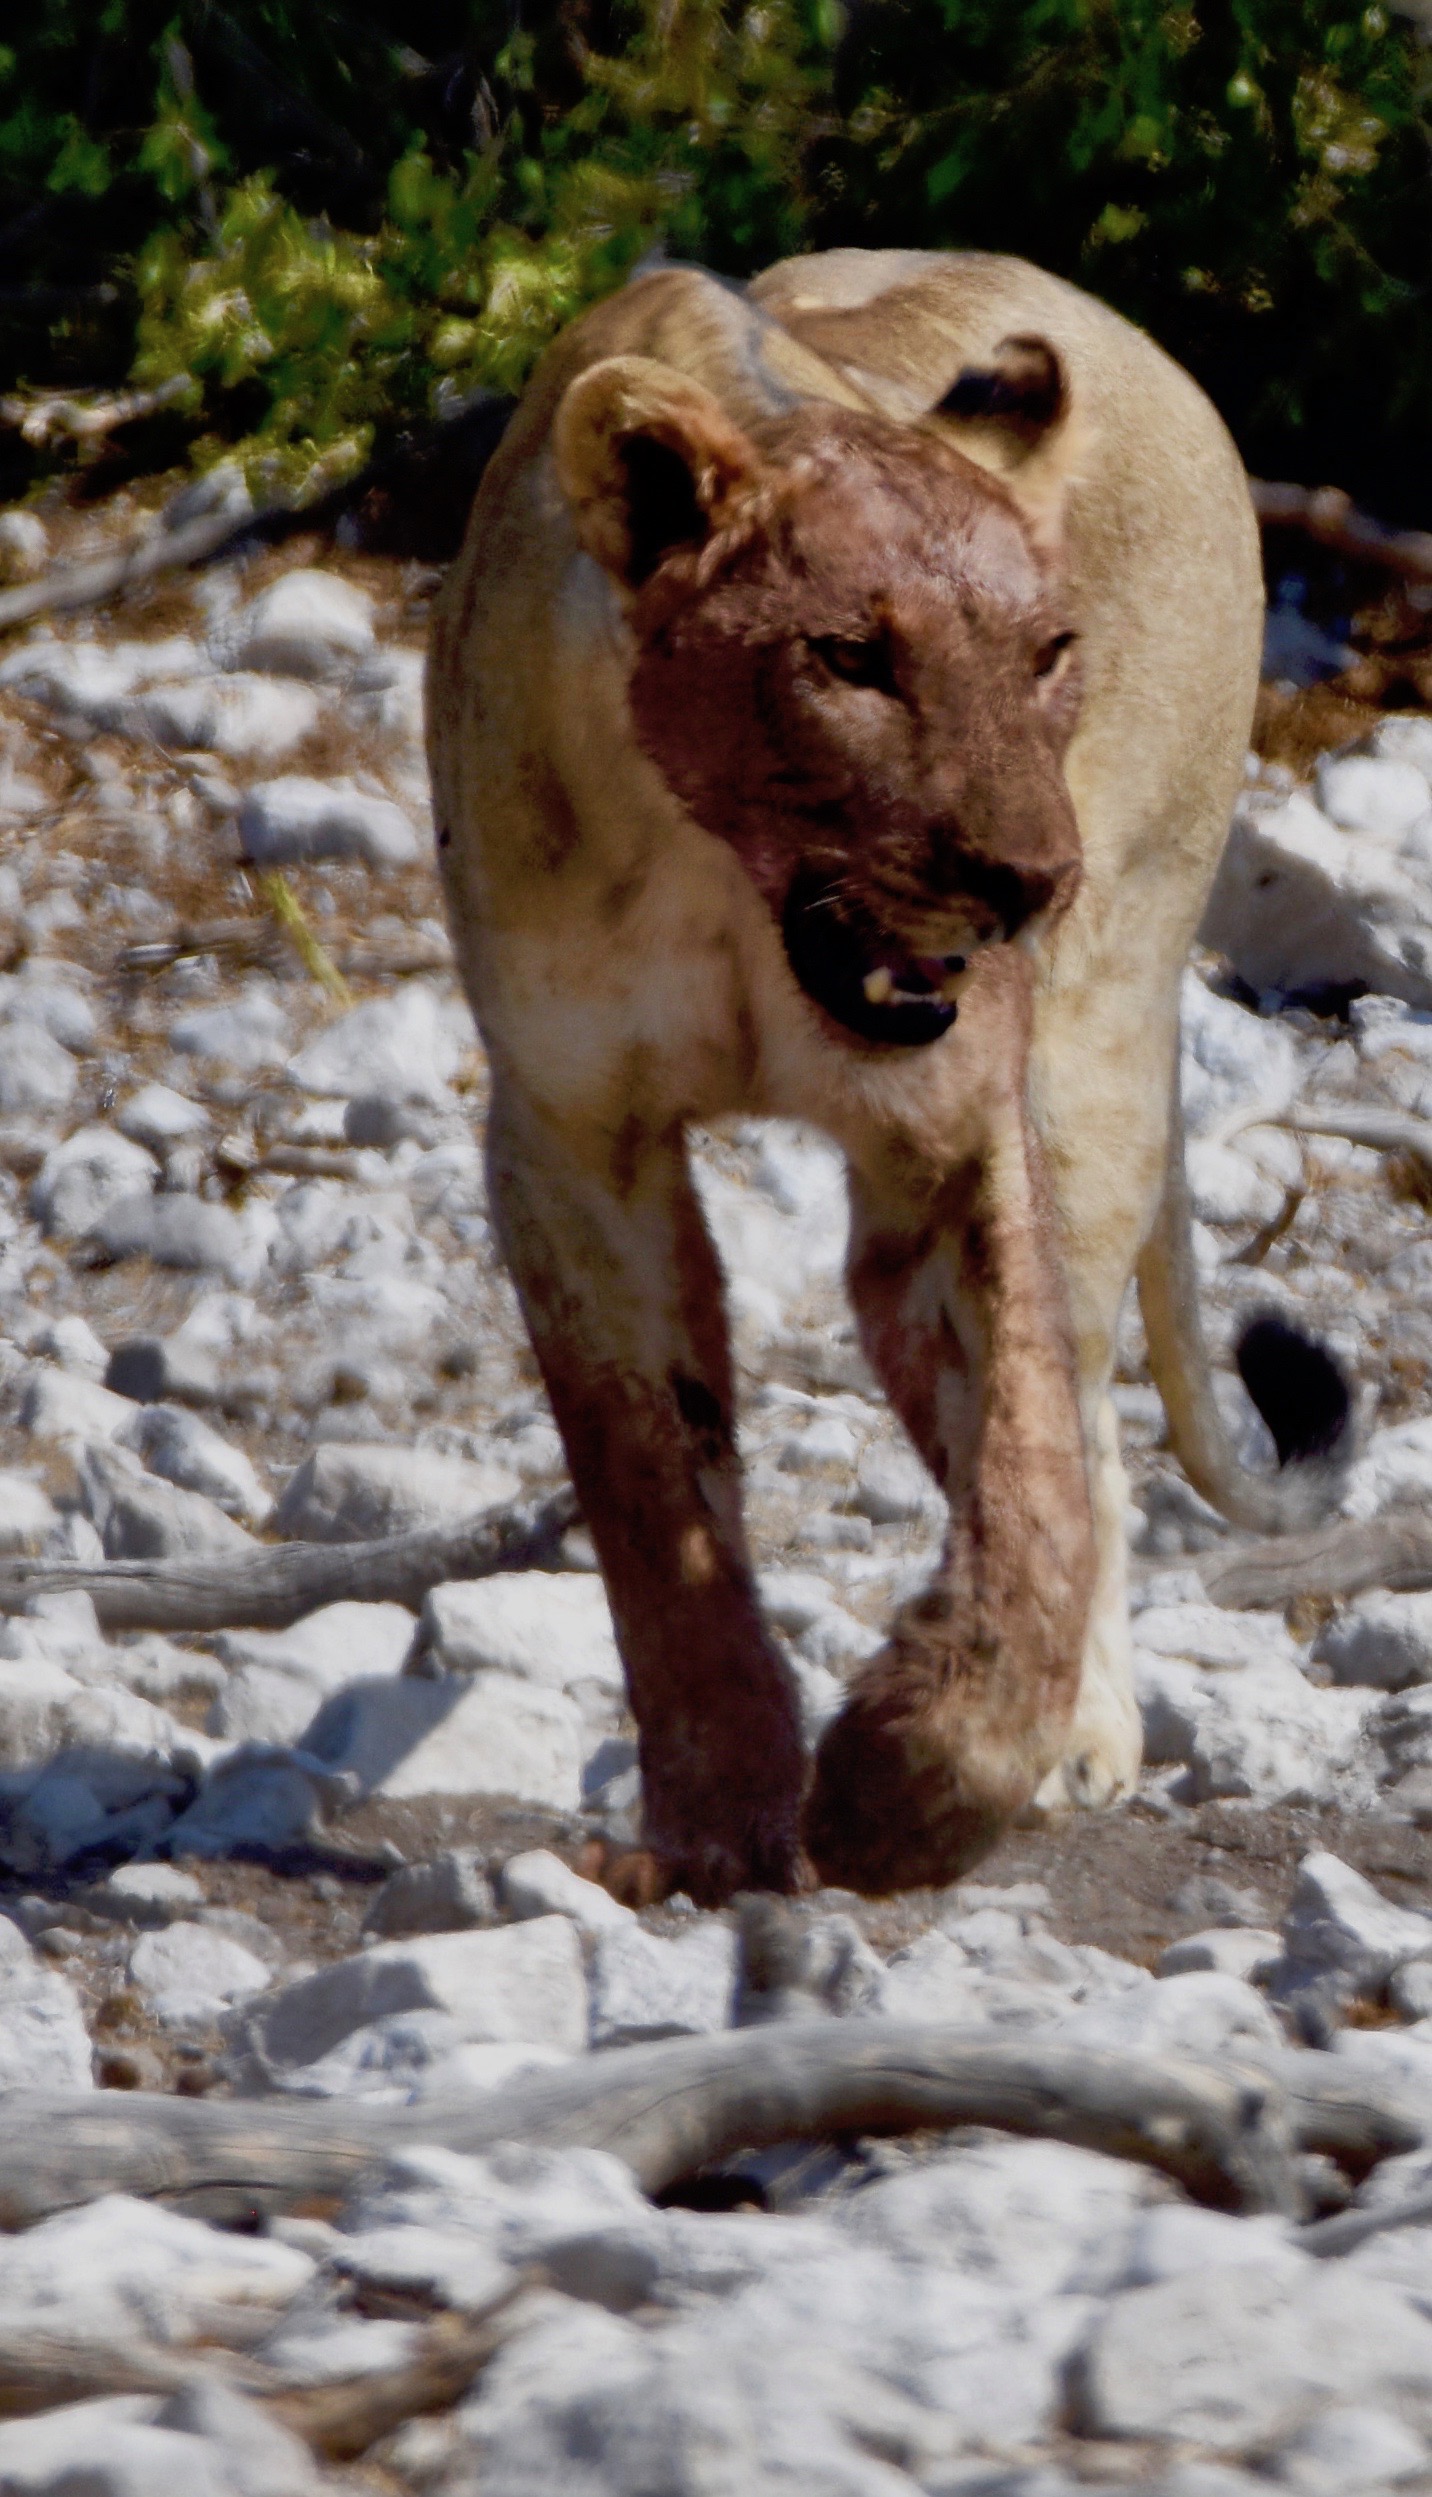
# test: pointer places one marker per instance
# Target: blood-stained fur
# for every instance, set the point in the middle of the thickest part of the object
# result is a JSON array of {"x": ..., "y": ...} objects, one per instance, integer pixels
[{"x": 835, "y": 713}]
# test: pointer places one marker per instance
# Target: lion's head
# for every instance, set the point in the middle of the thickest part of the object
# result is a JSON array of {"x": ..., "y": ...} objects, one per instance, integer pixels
[{"x": 853, "y": 663}]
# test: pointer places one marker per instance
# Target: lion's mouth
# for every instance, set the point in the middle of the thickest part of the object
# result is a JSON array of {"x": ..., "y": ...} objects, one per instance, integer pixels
[{"x": 860, "y": 973}]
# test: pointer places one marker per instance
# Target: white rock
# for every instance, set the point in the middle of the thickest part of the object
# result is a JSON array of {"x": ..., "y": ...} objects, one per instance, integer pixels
[
  {"x": 1351, "y": 2449},
  {"x": 174, "y": 1443},
  {"x": 249, "y": 1033},
  {"x": 108, "y": 2452},
  {"x": 538, "y": 1883},
  {"x": 1233, "y": 2356},
  {"x": 158, "y": 1117},
  {"x": 56, "y": 1404},
  {"x": 1373, "y": 794},
  {"x": 552, "y": 1627},
  {"x": 1232, "y": 1059},
  {"x": 801, "y": 1606},
  {"x": 1383, "y": 1640},
  {"x": 80, "y": 1179},
  {"x": 1299, "y": 904},
  {"x": 189, "y": 1974},
  {"x": 1212, "y": 1639},
  {"x": 152, "y": 1892},
  {"x": 124, "y": 2268},
  {"x": 44, "y": 992},
  {"x": 401, "y": 1044},
  {"x": 1225, "y": 1187},
  {"x": 1177, "y": 2237},
  {"x": 309, "y": 623},
  {"x": 140, "y": 1517},
  {"x": 384, "y": 2060},
  {"x": 643, "y": 1987},
  {"x": 43, "y": 2040},
  {"x": 1036, "y": 2218},
  {"x": 1338, "y": 1922},
  {"x": 37, "y": 1076},
  {"x": 256, "y": 1796},
  {"x": 1199, "y": 2014},
  {"x": 248, "y": 718},
  {"x": 27, "y": 1514},
  {"x": 1245, "y": 1951},
  {"x": 345, "y": 1491},
  {"x": 515, "y": 1981},
  {"x": 1273, "y": 1737},
  {"x": 280, "y": 1678},
  {"x": 73, "y": 1343},
  {"x": 187, "y": 1232},
  {"x": 894, "y": 1489},
  {"x": 827, "y": 1445},
  {"x": 284, "y": 822},
  {"x": 490, "y": 1735},
  {"x": 24, "y": 545},
  {"x": 1395, "y": 1467}
]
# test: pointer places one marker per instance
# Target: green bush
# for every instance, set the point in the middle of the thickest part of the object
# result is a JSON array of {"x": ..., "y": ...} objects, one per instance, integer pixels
[{"x": 323, "y": 225}]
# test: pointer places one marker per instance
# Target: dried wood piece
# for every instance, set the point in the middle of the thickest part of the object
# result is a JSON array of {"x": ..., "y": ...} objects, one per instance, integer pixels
[
  {"x": 1331, "y": 518},
  {"x": 1382, "y": 1130},
  {"x": 162, "y": 550},
  {"x": 1393, "y": 1551},
  {"x": 1221, "y": 2130},
  {"x": 42, "y": 416},
  {"x": 342, "y": 2420},
  {"x": 277, "y": 1584}
]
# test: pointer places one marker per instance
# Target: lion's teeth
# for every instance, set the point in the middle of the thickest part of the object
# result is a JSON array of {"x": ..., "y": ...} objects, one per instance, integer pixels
[{"x": 879, "y": 986}]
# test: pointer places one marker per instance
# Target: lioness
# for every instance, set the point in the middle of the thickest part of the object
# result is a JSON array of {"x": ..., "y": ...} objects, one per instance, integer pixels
[{"x": 836, "y": 712}]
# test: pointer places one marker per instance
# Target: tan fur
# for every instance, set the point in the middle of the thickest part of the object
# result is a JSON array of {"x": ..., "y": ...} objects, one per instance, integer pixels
[{"x": 626, "y": 965}]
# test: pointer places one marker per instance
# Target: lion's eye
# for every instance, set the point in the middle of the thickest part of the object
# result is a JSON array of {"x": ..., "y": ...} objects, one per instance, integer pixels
[
  {"x": 868, "y": 663},
  {"x": 1047, "y": 659}
]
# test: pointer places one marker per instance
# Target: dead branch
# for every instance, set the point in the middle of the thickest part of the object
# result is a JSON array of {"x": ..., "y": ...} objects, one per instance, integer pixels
[
  {"x": 43, "y": 416},
  {"x": 105, "y": 576},
  {"x": 277, "y": 1584},
  {"x": 343, "y": 2420},
  {"x": 1392, "y": 1551},
  {"x": 257, "y": 940},
  {"x": 1222, "y": 2131},
  {"x": 1382, "y": 1130},
  {"x": 1330, "y": 518}
]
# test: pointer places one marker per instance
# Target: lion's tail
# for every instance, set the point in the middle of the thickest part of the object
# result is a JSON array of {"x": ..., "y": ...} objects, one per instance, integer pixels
[{"x": 1294, "y": 1382}]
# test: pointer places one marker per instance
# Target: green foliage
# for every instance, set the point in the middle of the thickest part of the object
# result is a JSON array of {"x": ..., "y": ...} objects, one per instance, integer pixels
[{"x": 338, "y": 218}]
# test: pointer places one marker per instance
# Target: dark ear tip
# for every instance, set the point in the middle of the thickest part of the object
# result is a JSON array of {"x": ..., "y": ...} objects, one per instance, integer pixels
[{"x": 1022, "y": 388}]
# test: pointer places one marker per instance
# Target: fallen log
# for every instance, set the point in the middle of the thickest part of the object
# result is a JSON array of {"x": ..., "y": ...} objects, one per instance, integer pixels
[
  {"x": 1222, "y": 2131},
  {"x": 1343, "y": 1559},
  {"x": 276, "y": 1584}
]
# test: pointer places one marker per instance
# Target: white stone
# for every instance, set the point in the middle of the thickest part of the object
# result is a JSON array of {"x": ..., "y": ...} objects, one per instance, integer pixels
[
  {"x": 73, "y": 1343},
  {"x": 124, "y": 2268},
  {"x": 1177, "y": 2237},
  {"x": 488, "y": 1735},
  {"x": 1351, "y": 2449},
  {"x": 189, "y": 1974},
  {"x": 346, "y": 1491},
  {"x": 1396, "y": 1466},
  {"x": 643, "y": 1987},
  {"x": 894, "y": 1489},
  {"x": 188, "y": 1232},
  {"x": 152, "y": 1891},
  {"x": 1232, "y": 1059},
  {"x": 1234, "y": 2356},
  {"x": 80, "y": 1179},
  {"x": 96, "y": 2448},
  {"x": 1172, "y": 1696},
  {"x": 43, "y": 2040},
  {"x": 1382, "y": 1640},
  {"x": 285, "y": 822},
  {"x": 1245, "y": 1951},
  {"x": 44, "y": 992},
  {"x": 827, "y": 1445},
  {"x": 248, "y": 718},
  {"x": 1273, "y": 1737},
  {"x": 1212, "y": 1639},
  {"x": 547, "y": 1626},
  {"x": 1225, "y": 1187},
  {"x": 158, "y": 1117},
  {"x": 309, "y": 624},
  {"x": 174, "y": 1443},
  {"x": 401, "y": 1044},
  {"x": 27, "y": 1514},
  {"x": 37, "y": 1076},
  {"x": 24, "y": 545},
  {"x": 1200, "y": 2014},
  {"x": 249, "y": 1033},
  {"x": 1300, "y": 905},
  {"x": 1036, "y": 2218},
  {"x": 1338, "y": 1922},
  {"x": 801, "y": 1606},
  {"x": 513, "y": 1982},
  {"x": 280, "y": 1678},
  {"x": 538, "y": 1883},
  {"x": 140, "y": 1517},
  {"x": 1373, "y": 794},
  {"x": 57, "y": 1405}
]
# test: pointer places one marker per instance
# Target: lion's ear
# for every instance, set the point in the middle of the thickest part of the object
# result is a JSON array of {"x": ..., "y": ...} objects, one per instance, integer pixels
[
  {"x": 648, "y": 461},
  {"x": 1013, "y": 414}
]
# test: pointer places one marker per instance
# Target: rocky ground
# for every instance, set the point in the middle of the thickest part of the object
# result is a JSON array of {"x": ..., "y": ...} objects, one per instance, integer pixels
[{"x": 248, "y": 1292}]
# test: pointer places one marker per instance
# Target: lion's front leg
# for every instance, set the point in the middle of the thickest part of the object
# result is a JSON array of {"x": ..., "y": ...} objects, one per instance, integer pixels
[
  {"x": 622, "y": 1294},
  {"x": 953, "y": 1726}
]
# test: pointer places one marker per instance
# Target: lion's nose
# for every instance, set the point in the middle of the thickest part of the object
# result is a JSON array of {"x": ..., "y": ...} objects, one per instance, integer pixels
[{"x": 1014, "y": 892}]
